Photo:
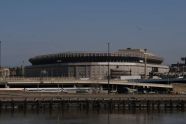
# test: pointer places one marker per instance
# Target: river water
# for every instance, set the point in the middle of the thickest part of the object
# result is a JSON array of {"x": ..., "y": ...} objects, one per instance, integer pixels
[{"x": 92, "y": 117}]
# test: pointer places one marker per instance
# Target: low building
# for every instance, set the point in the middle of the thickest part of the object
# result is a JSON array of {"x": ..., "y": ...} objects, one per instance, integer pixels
[
  {"x": 179, "y": 68},
  {"x": 4, "y": 72},
  {"x": 17, "y": 71}
]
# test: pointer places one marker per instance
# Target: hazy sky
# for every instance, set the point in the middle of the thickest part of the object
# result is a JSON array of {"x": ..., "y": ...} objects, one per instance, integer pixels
[{"x": 34, "y": 27}]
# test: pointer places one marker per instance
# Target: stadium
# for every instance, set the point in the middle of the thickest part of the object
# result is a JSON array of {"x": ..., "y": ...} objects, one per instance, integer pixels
[{"x": 94, "y": 65}]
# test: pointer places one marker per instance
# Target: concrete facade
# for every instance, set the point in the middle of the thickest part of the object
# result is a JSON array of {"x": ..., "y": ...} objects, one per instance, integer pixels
[{"x": 93, "y": 70}]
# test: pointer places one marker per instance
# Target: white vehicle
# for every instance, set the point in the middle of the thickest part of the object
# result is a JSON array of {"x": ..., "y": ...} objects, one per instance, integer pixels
[{"x": 132, "y": 90}]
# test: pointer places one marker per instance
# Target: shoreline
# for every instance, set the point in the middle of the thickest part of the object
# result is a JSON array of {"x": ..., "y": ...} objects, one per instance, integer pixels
[{"x": 32, "y": 100}]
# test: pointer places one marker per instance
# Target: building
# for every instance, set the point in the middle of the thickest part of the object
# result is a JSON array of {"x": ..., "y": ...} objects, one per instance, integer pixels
[
  {"x": 16, "y": 71},
  {"x": 4, "y": 72},
  {"x": 94, "y": 65},
  {"x": 179, "y": 68}
]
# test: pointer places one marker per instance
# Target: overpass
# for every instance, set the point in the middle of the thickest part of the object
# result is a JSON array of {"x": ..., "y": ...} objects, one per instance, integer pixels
[{"x": 72, "y": 81}]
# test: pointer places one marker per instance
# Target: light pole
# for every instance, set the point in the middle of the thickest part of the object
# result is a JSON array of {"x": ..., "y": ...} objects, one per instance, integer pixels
[
  {"x": 0, "y": 53},
  {"x": 23, "y": 69},
  {"x": 145, "y": 68},
  {"x": 108, "y": 74}
]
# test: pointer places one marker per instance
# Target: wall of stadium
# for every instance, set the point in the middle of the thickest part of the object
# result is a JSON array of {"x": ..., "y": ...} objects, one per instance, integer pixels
[{"x": 93, "y": 70}]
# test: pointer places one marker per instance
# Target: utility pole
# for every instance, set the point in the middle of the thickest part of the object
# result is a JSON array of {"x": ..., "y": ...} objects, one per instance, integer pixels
[{"x": 108, "y": 74}]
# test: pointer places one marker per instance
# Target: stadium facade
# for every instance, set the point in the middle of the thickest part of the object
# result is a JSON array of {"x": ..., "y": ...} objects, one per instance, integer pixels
[{"x": 94, "y": 65}]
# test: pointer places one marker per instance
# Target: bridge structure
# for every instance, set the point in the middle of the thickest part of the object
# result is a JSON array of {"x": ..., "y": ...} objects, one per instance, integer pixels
[{"x": 71, "y": 81}]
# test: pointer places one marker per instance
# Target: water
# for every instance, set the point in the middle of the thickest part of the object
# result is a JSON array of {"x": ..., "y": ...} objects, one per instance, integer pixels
[{"x": 92, "y": 117}]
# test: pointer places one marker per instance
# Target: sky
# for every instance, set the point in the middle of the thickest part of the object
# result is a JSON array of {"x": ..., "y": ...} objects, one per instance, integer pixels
[{"x": 36, "y": 27}]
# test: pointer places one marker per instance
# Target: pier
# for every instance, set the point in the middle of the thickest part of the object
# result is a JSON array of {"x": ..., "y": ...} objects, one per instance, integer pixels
[{"x": 49, "y": 101}]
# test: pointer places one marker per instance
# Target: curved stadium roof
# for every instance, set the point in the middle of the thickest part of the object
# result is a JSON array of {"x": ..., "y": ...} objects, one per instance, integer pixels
[{"x": 123, "y": 55}]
